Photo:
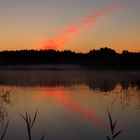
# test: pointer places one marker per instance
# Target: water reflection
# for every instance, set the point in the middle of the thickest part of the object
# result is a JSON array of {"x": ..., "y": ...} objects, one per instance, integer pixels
[
  {"x": 82, "y": 105},
  {"x": 64, "y": 98},
  {"x": 71, "y": 103},
  {"x": 126, "y": 96},
  {"x": 102, "y": 80}
]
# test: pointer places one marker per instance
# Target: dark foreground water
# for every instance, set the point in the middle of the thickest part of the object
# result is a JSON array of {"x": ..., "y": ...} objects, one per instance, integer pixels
[{"x": 71, "y": 104}]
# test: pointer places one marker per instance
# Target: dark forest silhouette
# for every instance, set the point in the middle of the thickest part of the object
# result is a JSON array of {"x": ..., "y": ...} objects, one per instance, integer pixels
[{"x": 104, "y": 58}]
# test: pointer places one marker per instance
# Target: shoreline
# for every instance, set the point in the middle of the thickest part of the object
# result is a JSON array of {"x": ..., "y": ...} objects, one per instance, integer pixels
[{"x": 60, "y": 67}]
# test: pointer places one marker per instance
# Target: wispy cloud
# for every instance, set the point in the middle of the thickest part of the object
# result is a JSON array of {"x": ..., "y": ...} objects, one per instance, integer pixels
[{"x": 66, "y": 35}]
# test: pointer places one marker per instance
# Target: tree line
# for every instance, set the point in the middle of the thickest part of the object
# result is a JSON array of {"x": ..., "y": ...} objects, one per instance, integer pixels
[{"x": 104, "y": 58}]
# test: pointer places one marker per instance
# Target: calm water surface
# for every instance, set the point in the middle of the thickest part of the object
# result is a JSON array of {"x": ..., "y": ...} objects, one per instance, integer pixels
[{"x": 72, "y": 105}]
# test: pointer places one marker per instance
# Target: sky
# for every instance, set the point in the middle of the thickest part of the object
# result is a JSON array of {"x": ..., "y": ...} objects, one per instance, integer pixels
[{"x": 33, "y": 24}]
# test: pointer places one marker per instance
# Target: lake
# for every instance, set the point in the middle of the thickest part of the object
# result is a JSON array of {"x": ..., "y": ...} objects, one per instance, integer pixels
[{"x": 71, "y": 104}]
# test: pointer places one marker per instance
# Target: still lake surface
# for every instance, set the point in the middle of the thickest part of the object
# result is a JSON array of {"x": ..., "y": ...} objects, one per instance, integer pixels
[{"x": 71, "y": 104}]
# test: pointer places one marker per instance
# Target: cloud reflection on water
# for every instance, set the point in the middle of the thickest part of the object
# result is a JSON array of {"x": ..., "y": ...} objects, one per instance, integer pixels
[{"x": 63, "y": 98}]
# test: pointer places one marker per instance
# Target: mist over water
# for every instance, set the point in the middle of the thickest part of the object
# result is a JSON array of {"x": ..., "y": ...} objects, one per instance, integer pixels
[
  {"x": 55, "y": 77},
  {"x": 72, "y": 104}
]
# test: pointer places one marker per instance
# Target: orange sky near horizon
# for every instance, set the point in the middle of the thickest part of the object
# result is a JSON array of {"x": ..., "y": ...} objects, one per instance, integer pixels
[{"x": 30, "y": 25}]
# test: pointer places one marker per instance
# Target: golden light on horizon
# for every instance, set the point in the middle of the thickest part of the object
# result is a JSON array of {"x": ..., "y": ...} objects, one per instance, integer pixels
[{"x": 54, "y": 28}]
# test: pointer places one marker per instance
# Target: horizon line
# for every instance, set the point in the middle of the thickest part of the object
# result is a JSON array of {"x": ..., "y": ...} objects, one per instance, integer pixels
[{"x": 119, "y": 52}]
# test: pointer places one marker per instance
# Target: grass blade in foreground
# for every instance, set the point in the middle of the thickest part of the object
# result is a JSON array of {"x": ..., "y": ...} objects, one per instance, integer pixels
[
  {"x": 4, "y": 131},
  {"x": 30, "y": 123},
  {"x": 112, "y": 128}
]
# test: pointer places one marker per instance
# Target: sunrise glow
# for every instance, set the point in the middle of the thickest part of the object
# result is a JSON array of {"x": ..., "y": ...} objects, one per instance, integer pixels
[{"x": 69, "y": 25}]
